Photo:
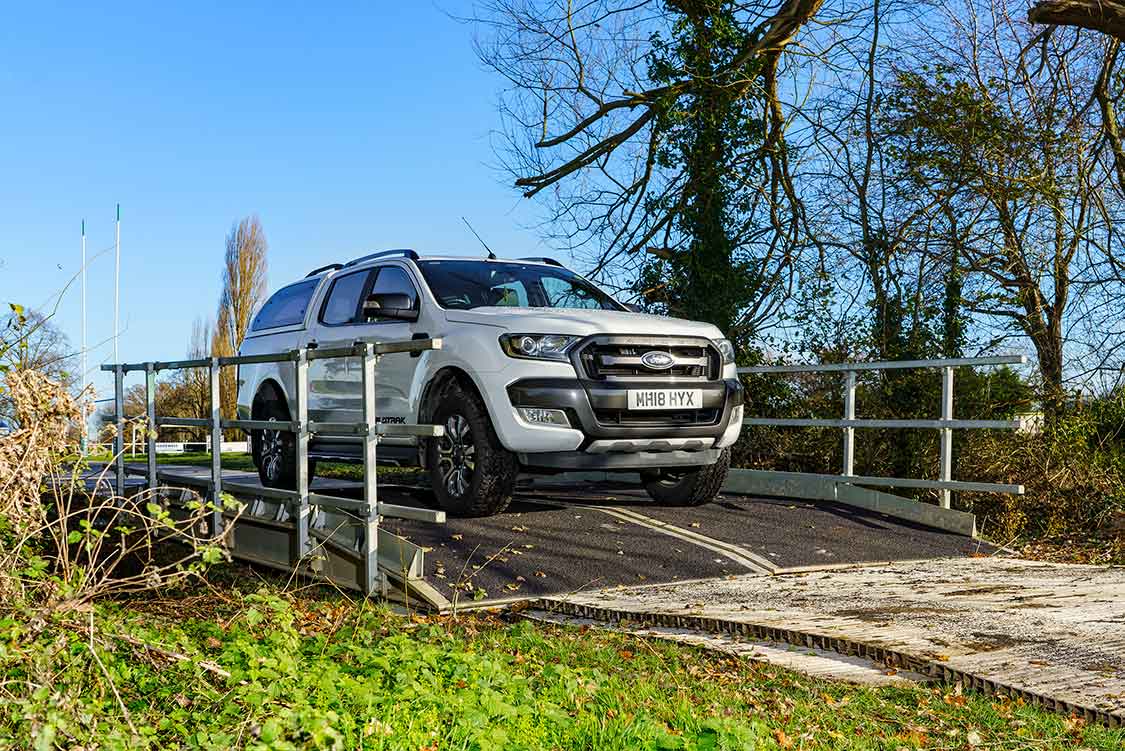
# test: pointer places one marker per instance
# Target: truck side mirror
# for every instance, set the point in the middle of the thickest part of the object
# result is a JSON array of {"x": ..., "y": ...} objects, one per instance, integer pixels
[{"x": 389, "y": 305}]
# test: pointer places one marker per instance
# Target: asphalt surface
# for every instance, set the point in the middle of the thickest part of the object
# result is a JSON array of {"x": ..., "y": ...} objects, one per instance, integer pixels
[
  {"x": 566, "y": 538},
  {"x": 792, "y": 533},
  {"x": 563, "y": 539},
  {"x": 542, "y": 547}
]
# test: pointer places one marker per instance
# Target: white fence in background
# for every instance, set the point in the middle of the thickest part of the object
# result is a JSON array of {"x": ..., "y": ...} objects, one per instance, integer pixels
[{"x": 166, "y": 447}]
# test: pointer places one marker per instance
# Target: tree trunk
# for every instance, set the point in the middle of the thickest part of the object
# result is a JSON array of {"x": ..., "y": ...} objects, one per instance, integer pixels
[
  {"x": 707, "y": 296},
  {"x": 1047, "y": 340},
  {"x": 1106, "y": 16}
]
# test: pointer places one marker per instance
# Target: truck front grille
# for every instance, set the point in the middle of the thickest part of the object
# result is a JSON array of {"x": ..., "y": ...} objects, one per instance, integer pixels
[{"x": 620, "y": 358}]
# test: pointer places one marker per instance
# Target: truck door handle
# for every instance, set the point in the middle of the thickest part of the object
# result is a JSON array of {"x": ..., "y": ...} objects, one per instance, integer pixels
[
  {"x": 416, "y": 337},
  {"x": 311, "y": 345}
]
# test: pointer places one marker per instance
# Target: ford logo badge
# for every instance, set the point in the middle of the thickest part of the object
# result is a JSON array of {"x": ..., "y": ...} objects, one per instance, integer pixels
[{"x": 657, "y": 360}]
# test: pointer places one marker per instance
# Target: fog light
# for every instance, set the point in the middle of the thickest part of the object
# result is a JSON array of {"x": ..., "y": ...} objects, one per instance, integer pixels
[{"x": 541, "y": 416}]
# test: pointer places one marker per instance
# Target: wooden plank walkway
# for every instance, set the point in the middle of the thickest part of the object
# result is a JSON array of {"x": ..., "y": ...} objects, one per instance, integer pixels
[{"x": 1054, "y": 634}]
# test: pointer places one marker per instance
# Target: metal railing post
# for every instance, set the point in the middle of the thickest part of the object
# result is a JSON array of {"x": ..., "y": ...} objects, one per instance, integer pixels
[
  {"x": 300, "y": 545},
  {"x": 150, "y": 418},
  {"x": 216, "y": 449},
  {"x": 946, "y": 434},
  {"x": 372, "y": 578},
  {"x": 849, "y": 431},
  {"x": 119, "y": 420}
]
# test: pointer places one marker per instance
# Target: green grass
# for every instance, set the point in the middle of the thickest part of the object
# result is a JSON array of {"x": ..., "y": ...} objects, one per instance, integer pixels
[{"x": 315, "y": 670}]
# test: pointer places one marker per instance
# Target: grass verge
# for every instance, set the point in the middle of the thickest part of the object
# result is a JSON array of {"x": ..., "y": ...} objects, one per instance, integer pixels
[{"x": 219, "y": 668}]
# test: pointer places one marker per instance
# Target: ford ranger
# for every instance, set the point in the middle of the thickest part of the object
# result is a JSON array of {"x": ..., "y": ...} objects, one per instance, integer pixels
[{"x": 540, "y": 371}]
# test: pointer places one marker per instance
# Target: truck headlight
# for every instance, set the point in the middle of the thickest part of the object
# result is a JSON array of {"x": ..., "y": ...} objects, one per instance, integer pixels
[
  {"x": 726, "y": 350},
  {"x": 537, "y": 346}
]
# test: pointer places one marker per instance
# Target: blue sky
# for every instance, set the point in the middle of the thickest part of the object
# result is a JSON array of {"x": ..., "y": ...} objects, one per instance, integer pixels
[{"x": 347, "y": 128}]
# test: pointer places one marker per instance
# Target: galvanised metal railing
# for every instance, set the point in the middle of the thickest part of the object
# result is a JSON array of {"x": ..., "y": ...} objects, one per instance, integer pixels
[
  {"x": 945, "y": 425},
  {"x": 370, "y": 509}
]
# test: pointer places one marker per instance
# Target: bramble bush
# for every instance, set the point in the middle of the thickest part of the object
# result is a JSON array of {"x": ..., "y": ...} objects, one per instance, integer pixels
[
  {"x": 1073, "y": 473},
  {"x": 63, "y": 547}
]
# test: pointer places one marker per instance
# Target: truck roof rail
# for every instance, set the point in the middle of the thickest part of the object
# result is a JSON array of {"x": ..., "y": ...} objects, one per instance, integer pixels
[
  {"x": 404, "y": 252},
  {"x": 541, "y": 259},
  {"x": 328, "y": 267}
]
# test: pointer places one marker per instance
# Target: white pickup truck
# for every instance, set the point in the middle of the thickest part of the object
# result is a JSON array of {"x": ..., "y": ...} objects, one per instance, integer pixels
[{"x": 540, "y": 371}]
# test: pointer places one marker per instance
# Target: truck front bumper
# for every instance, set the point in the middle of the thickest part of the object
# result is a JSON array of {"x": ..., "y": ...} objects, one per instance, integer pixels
[{"x": 615, "y": 438}]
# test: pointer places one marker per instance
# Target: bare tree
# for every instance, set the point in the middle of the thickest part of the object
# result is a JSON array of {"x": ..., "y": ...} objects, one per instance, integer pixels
[
  {"x": 244, "y": 288},
  {"x": 870, "y": 234},
  {"x": 1107, "y": 17},
  {"x": 603, "y": 116},
  {"x": 37, "y": 344},
  {"x": 1010, "y": 147},
  {"x": 30, "y": 341}
]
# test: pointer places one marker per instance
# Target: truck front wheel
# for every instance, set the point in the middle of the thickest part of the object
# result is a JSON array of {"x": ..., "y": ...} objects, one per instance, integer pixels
[
  {"x": 471, "y": 473},
  {"x": 690, "y": 486}
]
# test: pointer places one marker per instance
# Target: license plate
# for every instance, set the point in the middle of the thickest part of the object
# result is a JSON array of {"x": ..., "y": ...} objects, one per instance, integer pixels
[{"x": 665, "y": 399}]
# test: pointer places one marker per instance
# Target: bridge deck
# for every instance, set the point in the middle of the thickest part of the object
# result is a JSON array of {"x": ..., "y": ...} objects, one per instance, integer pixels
[{"x": 558, "y": 538}]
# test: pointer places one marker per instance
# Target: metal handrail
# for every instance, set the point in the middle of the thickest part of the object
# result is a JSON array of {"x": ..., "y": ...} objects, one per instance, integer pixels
[
  {"x": 844, "y": 367},
  {"x": 803, "y": 422},
  {"x": 368, "y": 430},
  {"x": 945, "y": 425}
]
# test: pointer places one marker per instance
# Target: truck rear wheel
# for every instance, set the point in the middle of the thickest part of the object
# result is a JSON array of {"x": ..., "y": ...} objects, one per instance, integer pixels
[
  {"x": 275, "y": 451},
  {"x": 471, "y": 473},
  {"x": 690, "y": 486}
]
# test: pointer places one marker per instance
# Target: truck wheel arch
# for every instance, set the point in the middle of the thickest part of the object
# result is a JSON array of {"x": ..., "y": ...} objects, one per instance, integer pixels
[
  {"x": 268, "y": 390},
  {"x": 439, "y": 383}
]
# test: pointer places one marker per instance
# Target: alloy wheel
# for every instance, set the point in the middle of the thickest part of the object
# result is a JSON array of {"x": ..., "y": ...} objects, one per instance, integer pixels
[
  {"x": 457, "y": 455},
  {"x": 272, "y": 448}
]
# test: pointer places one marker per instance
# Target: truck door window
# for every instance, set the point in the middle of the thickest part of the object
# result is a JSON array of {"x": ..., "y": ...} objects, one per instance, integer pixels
[{"x": 342, "y": 305}]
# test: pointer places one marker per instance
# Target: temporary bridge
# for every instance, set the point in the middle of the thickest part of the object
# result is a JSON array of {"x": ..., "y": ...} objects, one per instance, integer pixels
[{"x": 555, "y": 537}]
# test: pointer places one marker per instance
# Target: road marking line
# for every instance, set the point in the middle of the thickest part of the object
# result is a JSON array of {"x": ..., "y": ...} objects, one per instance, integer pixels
[
  {"x": 735, "y": 553},
  {"x": 760, "y": 561}
]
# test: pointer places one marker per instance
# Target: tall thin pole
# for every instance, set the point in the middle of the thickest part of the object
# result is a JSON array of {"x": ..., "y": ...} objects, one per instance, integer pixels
[
  {"x": 116, "y": 283},
  {"x": 82, "y": 396}
]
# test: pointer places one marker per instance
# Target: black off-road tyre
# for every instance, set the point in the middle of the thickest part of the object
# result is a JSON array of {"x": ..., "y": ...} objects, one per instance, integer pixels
[
  {"x": 471, "y": 473},
  {"x": 275, "y": 451},
  {"x": 690, "y": 486}
]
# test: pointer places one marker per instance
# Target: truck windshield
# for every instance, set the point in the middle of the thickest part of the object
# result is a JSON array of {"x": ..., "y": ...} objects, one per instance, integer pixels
[{"x": 462, "y": 285}]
